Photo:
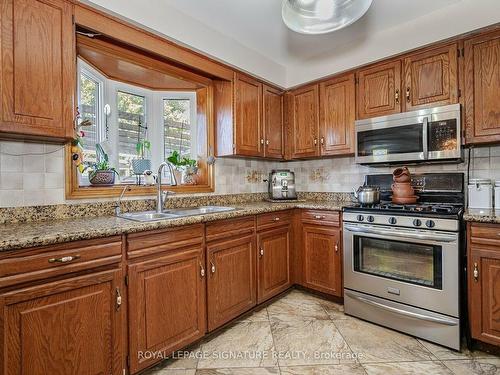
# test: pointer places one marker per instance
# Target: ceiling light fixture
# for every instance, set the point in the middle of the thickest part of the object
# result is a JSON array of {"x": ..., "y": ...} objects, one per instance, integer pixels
[{"x": 322, "y": 16}]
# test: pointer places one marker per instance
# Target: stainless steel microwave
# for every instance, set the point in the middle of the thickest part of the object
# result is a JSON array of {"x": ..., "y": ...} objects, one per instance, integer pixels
[{"x": 426, "y": 135}]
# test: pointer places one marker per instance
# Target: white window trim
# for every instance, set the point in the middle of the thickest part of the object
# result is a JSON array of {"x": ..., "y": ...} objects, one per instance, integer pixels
[{"x": 108, "y": 92}]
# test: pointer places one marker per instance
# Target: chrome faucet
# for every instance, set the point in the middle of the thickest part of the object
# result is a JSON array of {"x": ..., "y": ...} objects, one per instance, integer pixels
[
  {"x": 118, "y": 203},
  {"x": 160, "y": 196}
]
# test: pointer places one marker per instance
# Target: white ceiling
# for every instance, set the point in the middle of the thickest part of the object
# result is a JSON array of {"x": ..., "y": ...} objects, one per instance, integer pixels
[{"x": 250, "y": 34}]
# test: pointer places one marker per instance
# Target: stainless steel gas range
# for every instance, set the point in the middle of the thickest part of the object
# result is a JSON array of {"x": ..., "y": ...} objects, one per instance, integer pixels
[{"x": 402, "y": 264}]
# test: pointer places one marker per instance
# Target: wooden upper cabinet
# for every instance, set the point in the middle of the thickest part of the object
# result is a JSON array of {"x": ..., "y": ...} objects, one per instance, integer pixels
[
  {"x": 70, "y": 326},
  {"x": 167, "y": 308},
  {"x": 273, "y": 266},
  {"x": 272, "y": 119},
  {"x": 303, "y": 122},
  {"x": 431, "y": 78},
  {"x": 249, "y": 137},
  {"x": 231, "y": 279},
  {"x": 337, "y": 113},
  {"x": 37, "y": 68},
  {"x": 379, "y": 90},
  {"x": 482, "y": 88},
  {"x": 322, "y": 260}
]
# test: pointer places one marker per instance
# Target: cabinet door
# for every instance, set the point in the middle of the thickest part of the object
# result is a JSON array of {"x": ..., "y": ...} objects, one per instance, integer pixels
[
  {"x": 273, "y": 266},
  {"x": 482, "y": 88},
  {"x": 304, "y": 122},
  {"x": 65, "y": 327},
  {"x": 431, "y": 78},
  {"x": 273, "y": 122},
  {"x": 337, "y": 112},
  {"x": 249, "y": 138},
  {"x": 37, "y": 67},
  {"x": 166, "y": 305},
  {"x": 322, "y": 259},
  {"x": 231, "y": 281},
  {"x": 484, "y": 295},
  {"x": 379, "y": 90}
]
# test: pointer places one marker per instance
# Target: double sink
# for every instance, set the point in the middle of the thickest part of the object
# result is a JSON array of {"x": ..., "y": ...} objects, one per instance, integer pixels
[{"x": 176, "y": 213}]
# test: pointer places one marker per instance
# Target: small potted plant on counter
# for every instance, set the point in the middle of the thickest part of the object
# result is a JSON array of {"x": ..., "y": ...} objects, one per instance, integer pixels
[
  {"x": 186, "y": 168},
  {"x": 141, "y": 164},
  {"x": 100, "y": 172}
]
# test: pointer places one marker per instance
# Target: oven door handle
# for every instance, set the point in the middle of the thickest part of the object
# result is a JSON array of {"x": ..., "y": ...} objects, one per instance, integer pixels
[
  {"x": 393, "y": 233},
  {"x": 406, "y": 313}
]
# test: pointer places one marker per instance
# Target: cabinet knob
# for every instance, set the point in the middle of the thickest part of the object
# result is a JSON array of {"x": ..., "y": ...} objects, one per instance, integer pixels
[
  {"x": 315, "y": 141},
  {"x": 267, "y": 142},
  {"x": 202, "y": 270},
  {"x": 475, "y": 273},
  {"x": 396, "y": 96},
  {"x": 408, "y": 94},
  {"x": 261, "y": 252},
  {"x": 322, "y": 140},
  {"x": 262, "y": 141},
  {"x": 276, "y": 219},
  {"x": 118, "y": 299},
  {"x": 336, "y": 247},
  {"x": 212, "y": 269}
]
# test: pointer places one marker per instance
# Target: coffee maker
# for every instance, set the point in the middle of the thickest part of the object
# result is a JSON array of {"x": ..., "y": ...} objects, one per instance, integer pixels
[{"x": 281, "y": 184}]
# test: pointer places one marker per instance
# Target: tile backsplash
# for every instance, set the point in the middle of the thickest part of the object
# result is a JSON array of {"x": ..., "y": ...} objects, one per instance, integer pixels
[{"x": 33, "y": 173}]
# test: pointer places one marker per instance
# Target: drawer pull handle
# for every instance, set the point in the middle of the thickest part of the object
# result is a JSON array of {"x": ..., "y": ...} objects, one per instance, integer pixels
[
  {"x": 261, "y": 252},
  {"x": 475, "y": 273},
  {"x": 202, "y": 270},
  {"x": 66, "y": 259},
  {"x": 276, "y": 219},
  {"x": 318, "y": 217},
  {"x": 118, "y": 299}
]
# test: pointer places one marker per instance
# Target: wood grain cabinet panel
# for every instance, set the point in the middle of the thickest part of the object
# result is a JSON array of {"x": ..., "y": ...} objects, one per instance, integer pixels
[
  {"x": 337, "y": 114},
  {"x": 273, "y": 266},
  {"x": 322, "y": 260},
  {"x": 231, "y": 279},
  {"x": 167, "y": 309},
  {"x": 304, "y": 122},
  {"x": 64, "y": 327},
  {"x": 272, "y": 119},
  {"x": 379, "y": 90},
  {"x": 37, "y": 68},
  {"x": 249, "y": 139},
  {"x": 482, "y": 88},
  {"x": 484, "y": 282},
  {"x": 431, "y": 78}
]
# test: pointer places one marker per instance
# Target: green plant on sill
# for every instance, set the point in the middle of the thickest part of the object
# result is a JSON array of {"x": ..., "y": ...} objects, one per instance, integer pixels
[
  {"x": 178, "y": 162},
  {"x": 102, "y": 164},
  {"x": 141, "y": 147}
]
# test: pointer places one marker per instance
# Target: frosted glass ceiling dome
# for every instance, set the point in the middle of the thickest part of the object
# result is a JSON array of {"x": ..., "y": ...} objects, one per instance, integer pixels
[{"x": 322, "y": 16}]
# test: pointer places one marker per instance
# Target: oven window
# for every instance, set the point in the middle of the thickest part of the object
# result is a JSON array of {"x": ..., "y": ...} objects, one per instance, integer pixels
[
  {"x": 397, "y": 140},
  {"x": 408, "y": 262}
]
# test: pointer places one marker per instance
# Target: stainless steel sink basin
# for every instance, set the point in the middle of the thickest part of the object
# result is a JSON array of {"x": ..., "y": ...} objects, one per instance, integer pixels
[
  {"x": 147, "y": 216},
  {"x": 176, "y": 213},
  {"x": 191, "y": 211}
]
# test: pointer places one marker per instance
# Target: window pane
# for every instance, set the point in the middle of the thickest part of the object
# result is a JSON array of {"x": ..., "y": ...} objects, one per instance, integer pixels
[
  {"x": 177, "y": 126},
  {"x": 131, "y": 127},
  {"x": 88, "y": 106}
]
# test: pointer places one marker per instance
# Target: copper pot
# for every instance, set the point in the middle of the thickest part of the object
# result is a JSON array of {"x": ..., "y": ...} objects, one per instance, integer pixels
[
  {"x": 402, "y": 190},
  {"x": 401, "y": 175}
]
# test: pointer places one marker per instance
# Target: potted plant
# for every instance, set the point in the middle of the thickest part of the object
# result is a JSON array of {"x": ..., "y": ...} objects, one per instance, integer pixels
[
  {"x": 141, "y": 164},
  {"x": 100, "y": 172},
  {"x": 186, "y": 167}
]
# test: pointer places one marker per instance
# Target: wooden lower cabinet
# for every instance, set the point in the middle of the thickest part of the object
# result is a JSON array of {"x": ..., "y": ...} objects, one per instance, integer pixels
[
  {"x": 484, "y": 282},
  {"x": 231, "y": 279},
  {"x": 167, "y": 308},
  {"x": 66, "y": 327},
  {"x": 273, "y": 265},
  {"x": 321, "y": 259}
]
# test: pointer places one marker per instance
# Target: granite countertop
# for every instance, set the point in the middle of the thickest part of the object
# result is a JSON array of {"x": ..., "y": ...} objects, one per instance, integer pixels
[
  {"x": 24, "y": 235},
  {"x": 482, "y": 215}
]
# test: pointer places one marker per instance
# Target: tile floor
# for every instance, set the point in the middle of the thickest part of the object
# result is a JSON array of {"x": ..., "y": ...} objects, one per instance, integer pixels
[{"x": 303, "y": 334}]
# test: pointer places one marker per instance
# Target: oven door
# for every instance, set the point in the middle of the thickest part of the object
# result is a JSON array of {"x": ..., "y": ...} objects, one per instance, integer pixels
[
  {"x": 383, "y": 140},
  {"x": 410, "y": 266}
]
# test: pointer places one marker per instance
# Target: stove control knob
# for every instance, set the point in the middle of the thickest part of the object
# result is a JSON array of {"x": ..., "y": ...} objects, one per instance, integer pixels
[
  {"x": 430, "y": 224},
  {"x": 370, "y": 219},
  {"x": 417, "y": 222},
  {"x": 392, "y": 220},
  {"x": 360, "y": 218}
]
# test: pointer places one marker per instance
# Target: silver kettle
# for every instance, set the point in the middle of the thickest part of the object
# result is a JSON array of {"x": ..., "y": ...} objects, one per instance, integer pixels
[{"x": 367, "y": 195}]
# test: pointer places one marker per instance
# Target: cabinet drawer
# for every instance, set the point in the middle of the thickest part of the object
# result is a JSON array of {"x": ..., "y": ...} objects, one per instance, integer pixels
[
  {"x": 156, "y": 241},
  {"x": 47, "y": 261},
  {"x": 273, "y": 219},
  {"x": 485, "y": 234},
  {"x": 231, "y": 227},
  {"x": 321, "y": 217}
]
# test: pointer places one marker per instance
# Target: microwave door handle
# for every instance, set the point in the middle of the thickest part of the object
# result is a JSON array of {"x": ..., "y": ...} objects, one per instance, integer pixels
[{"x": 425, "y": 137}]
